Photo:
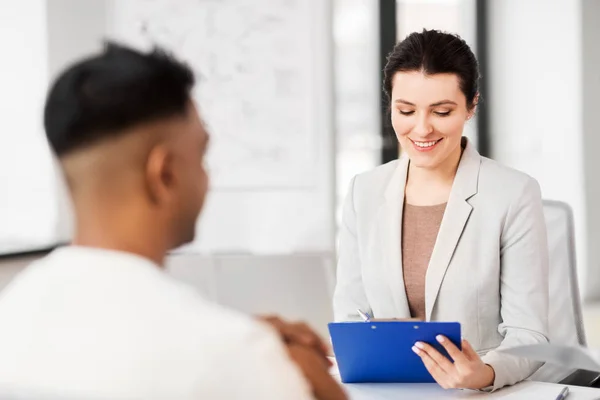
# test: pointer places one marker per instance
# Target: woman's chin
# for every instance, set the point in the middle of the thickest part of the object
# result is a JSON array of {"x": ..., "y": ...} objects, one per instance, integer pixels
[{"x": 423, "y": 160}]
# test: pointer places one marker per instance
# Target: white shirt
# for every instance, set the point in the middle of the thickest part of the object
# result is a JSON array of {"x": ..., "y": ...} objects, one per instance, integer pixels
[{"x": 106, "y": 324}]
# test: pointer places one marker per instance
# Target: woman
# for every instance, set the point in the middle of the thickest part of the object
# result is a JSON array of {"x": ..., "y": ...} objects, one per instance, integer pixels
[{"x": 443, "y": 234}]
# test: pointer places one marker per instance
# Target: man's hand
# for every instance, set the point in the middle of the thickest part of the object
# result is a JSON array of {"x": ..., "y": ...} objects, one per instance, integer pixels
[
  {"x": 467, "y": 372},
  {"x": 316, "y": 371},
  {"x": 298, "y": 333},
  {"x": 309, "y": 353}
]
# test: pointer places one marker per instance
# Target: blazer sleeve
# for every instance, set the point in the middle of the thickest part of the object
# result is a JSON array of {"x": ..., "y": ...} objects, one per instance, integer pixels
[
  {"x": 523, "y": 286},
  {"x": 349, "y": 294}
]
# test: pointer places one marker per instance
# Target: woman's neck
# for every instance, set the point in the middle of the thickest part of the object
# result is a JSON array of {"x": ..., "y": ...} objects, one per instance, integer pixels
[
  {"x": 430, "y": 186},
  {"x": 444, "y": 172}
]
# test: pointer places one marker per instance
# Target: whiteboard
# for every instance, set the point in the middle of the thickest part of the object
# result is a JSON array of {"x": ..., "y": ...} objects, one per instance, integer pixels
[
  {"x": 254, "y": 61},
  {"x": 266, "y": 92}
]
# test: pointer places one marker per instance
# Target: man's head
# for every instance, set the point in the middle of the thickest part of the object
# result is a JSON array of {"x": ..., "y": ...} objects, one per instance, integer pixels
[{"x": 131, "y": 145}]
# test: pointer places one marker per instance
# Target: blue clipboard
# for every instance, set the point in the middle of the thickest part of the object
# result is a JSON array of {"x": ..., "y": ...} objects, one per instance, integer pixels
[{"x": 381, "y": 351}]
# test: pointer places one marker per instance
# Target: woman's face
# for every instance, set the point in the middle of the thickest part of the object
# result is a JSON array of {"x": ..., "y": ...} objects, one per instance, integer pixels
[{"x": 428, "y": 116}]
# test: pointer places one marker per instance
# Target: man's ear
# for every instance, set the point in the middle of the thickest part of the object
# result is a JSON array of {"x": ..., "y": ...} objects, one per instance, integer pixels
[{"x": 160, "y": 174}]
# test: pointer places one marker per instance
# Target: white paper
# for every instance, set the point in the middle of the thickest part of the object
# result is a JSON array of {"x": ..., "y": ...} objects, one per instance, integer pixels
[{"x": 566, "y": 356}]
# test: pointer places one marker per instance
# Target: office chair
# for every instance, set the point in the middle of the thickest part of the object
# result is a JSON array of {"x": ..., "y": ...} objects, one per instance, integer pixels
[{"x": 565, "y": 317}]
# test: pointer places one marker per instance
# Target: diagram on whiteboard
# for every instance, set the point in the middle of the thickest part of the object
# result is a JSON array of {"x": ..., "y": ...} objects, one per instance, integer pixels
[{"x": 253, "y": 61}]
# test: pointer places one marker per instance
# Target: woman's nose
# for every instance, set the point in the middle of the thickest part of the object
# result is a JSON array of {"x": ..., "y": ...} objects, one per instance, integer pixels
[{"x": 423, "y": 127}]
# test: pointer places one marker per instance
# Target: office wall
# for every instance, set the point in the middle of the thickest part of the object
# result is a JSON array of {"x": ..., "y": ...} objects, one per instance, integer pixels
[
  {"x": 74, "y": 28},
  {"x": 39, "y": 38},
  {"x": 27, "y": 213},
  {"x": 535, "y": 105},
  {"x": 590, "y": 12}
]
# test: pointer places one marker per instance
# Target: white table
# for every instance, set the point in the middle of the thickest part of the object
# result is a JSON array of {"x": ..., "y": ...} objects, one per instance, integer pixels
[
  {"x": 523, "y": 391},
  {"x": 527, "y": 390}
]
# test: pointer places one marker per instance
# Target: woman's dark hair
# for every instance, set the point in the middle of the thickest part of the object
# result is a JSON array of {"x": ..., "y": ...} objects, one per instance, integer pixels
[{"x": 434, "y": 52}]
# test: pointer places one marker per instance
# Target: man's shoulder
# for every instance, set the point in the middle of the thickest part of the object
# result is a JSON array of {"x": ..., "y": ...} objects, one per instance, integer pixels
[
  {"x": 136, "y": 315},
  {"x": 239, "y": 348},
  {"x": 140, "y": 296}
]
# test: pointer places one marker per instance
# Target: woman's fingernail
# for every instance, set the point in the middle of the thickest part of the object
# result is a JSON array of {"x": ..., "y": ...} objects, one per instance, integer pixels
[
  {"x": 417, "y": 351},
  {"x": 420, "y": 345},
  {"x": 440, "y": 338}
]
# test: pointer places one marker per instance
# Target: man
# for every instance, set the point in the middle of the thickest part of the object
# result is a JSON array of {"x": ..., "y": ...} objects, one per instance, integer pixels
[{"x": 100, "y": 318}]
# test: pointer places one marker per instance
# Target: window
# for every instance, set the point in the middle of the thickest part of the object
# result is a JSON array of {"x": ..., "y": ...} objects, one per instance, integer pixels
[
  {"x": 357, "y": 93},
  {"x": 28, "y": 195}
]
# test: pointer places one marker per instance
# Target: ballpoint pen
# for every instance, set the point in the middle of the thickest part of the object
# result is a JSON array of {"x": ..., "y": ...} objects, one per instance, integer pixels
[
  {"x": 365, "y": 316},
  {"x": 563, "y": 393}
]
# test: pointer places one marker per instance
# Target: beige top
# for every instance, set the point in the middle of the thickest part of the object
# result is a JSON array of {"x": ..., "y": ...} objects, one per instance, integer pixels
[{"x": 420, "y": 226}]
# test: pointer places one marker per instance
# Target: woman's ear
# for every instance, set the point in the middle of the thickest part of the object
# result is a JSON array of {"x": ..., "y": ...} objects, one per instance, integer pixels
[{"x": 473, "y": 109}]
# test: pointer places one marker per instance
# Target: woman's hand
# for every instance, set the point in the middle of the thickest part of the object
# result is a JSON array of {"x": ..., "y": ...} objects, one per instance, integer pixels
[{"x": 467, "y": 372}]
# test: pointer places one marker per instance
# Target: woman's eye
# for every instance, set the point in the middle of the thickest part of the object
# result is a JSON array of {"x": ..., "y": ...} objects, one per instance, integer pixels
[
  {"x": 442, "y": 113},
  {"x": 407, "y": 112}
]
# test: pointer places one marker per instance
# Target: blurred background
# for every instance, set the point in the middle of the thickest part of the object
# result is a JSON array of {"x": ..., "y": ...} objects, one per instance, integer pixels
[{"x": 291, "y": 92}]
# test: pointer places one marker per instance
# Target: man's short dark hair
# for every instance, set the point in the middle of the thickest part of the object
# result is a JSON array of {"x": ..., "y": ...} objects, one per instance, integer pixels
[{"x": 117, "y": 89}]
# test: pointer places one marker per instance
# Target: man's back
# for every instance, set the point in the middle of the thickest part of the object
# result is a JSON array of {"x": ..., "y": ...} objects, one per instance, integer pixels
[{"x": 90, "y": 322}]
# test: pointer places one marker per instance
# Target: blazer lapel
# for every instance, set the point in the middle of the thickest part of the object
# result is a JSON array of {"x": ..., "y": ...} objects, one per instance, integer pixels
[
  {"x": 388, "y": 227},
  {"x": 454, "y": 220}
]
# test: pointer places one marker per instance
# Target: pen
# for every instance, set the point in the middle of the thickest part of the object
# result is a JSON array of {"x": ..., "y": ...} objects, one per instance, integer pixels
[
  {"x": 365, "y": 316},
  {"x": 563, "y": 393}
]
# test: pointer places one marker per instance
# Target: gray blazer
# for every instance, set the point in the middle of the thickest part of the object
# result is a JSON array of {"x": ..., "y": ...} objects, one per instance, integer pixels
[{"x": 488, "y": 269}]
